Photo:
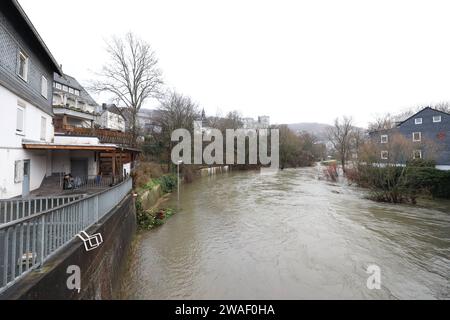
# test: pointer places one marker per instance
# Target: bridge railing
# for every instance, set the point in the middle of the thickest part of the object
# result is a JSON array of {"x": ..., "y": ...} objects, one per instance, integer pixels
[{"x": 26, "y": 243}]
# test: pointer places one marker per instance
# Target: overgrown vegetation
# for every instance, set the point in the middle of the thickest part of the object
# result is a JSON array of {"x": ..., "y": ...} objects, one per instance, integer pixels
[{"x": 149, "y": 219}]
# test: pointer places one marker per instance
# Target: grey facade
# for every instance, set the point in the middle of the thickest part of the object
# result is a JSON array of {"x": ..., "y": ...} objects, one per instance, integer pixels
[
  {"x": 431, "y": 131},
  {"x": 18, "y": 34}
]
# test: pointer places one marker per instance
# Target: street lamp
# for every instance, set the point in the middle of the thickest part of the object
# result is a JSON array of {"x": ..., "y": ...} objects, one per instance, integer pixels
[{"x": 178, "y": 180}]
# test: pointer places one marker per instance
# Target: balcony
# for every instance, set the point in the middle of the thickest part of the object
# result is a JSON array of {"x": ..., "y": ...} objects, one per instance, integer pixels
[{"x": 104, "y": 135}]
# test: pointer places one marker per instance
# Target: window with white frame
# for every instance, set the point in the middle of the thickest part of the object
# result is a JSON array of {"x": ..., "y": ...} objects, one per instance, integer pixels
[
  {"x": 384, "y": 155},
  {"x": 22, "y": 69},
  {"x": 437, "y": 119},
  {"x": 20, "y": 118},
  {"x": 417, "y": 154},
  {"x": 384, "y": 138},
  {"x": 71, "y": 90},
  {"x": 43, "y": 128},
  {"x": 77, "y": 92},
  {"x": 417, "y": 136},
  {"x": 418, "y": 120},
  {"x": 44, "y": 87},
  {"x": 65, "y": 88},
  {"x": 58, "y": 86}
]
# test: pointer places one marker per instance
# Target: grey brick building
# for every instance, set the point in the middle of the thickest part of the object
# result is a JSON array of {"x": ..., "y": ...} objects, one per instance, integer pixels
[{"x": 425, "y": 128}]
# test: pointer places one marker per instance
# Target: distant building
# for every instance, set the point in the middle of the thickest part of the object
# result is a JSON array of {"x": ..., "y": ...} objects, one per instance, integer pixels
[
  {"x": 263, "y": 122},
  {"x": 148, "y": 121},
  {"x": 72, "y": 105},
  {"x": 426, "y": 127},
  {"x": 112, "y": 118}
]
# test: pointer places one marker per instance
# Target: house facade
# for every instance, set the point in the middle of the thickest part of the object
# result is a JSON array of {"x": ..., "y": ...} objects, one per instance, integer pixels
[
  {"x": 26, "y": 73},
  {"x": 32, "y": 154},
  {"x": 73, "y": 107},
  {"x": 111, "y": 118},
  {"x": 428, "y": 132}
]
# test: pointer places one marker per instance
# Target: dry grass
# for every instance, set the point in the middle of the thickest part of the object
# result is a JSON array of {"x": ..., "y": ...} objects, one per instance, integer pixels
[{"x": 146, "y": 171}]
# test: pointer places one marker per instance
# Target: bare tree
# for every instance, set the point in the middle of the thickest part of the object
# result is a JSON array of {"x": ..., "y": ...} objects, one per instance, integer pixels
[
  {"x": 384, "y": 122},
  {"x": 131, "y": 76},
  {"x": 340, "y": 136},
  {"x": 175, "y": 112}
]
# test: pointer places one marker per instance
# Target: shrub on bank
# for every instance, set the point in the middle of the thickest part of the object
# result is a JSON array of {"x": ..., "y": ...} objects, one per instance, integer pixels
[{"x": 398, "y": 184}]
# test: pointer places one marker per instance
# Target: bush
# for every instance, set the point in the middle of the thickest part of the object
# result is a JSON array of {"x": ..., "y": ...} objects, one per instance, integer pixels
[
  {"x": 168, "y": 183},
  {"x": 403, "y": 184},
  {"x": 421, "y": 163}
]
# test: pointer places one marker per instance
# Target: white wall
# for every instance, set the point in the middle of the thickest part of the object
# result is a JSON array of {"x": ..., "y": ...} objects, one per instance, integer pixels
[
  {"x": 11, "y": 143},
  {"x": 112, "y": 121},
  {"x": 61, "y": 161},
  {"x": 38, "y": 166}
]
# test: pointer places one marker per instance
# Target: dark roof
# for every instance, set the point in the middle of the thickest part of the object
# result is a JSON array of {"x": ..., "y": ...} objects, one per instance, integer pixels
[
  {"x": 415, "y": 114},
  {"x": 18, "y": 15},
  {"x": 73, "y": 83}
]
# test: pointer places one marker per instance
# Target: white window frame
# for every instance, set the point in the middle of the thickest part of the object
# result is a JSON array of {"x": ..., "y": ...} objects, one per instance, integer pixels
[
  {"x": 58, "y": 86},
  {"x": 384, "y": 155},
  {"x": 25, "y": 68},
  {"x": 71, "y": 90},
  {"x": 386, "y": 140},
  {"x": 418, "y": 120},
  {"x": 414, "y": 154},
  {"x": 20, "y": 106},
  {"x": 437, "y": 117},
  {"x": 65, "y": 88},
  {"x": 77, "y": 92},
  {"x": 44, "y": 87},
  {"x": 420, "y": 137}
]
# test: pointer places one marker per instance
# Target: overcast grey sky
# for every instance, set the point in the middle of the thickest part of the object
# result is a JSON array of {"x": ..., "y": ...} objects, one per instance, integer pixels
[{"x": 296, "y": 61}]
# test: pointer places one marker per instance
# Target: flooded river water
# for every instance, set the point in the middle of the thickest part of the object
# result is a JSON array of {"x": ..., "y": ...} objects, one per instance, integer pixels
[{"x": 290, "y": 236}]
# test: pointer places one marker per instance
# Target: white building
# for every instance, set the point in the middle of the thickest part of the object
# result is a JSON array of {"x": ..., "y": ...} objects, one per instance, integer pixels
[
  {"x": 112, "y": 118},
  {"x": 26, "y": 73},
  {"x": 30, "y": 151}
]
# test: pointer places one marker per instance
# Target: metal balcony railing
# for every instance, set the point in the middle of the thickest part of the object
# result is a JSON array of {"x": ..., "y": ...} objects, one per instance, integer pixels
[
  {"x": 26, "y": 243},
  {"x": 104, "y": 135},
  {"x": 14, "y": 209}
]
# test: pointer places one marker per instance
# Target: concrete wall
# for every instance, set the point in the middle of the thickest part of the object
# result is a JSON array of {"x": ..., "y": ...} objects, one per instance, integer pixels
[{"x": 100, "y": 269}]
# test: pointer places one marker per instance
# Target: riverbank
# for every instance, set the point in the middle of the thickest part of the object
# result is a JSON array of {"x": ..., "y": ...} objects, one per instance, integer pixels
[{"x": 289, "y": 236}]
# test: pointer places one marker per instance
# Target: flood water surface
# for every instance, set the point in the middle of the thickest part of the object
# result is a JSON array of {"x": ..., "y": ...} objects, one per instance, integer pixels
[{"x": 289, "y": 236}]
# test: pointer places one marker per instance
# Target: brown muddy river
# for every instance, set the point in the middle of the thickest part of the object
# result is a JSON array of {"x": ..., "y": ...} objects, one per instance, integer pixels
[{"x": 290, "y": 236}]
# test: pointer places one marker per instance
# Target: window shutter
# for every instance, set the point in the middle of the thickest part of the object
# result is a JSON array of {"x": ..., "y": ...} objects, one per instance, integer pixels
[
  {"x": 18, "y": 171},
  {"x": 19, "y": 125}
]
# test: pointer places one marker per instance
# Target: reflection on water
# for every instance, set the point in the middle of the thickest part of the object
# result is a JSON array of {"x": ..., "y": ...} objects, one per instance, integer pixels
[{"x": 290, "y": 236}]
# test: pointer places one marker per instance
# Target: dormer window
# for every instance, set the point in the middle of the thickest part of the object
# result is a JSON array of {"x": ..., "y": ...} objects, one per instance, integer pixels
[
  {"x": 418, "y": 120},
  {"x": 437, "y": 119},
  {"x": 23, "y": 66},
  {"x": 384, "y": 138}
]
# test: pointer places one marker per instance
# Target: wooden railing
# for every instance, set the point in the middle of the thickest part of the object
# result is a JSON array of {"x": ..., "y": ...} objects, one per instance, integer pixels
[{"x": 104, "y": 135}]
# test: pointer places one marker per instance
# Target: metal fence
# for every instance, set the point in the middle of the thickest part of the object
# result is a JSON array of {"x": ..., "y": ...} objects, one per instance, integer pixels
[
  {"x": 93, "y": 182},
  {"x": 26, "y": 243},
  {"x": 15, "y": 209}
]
